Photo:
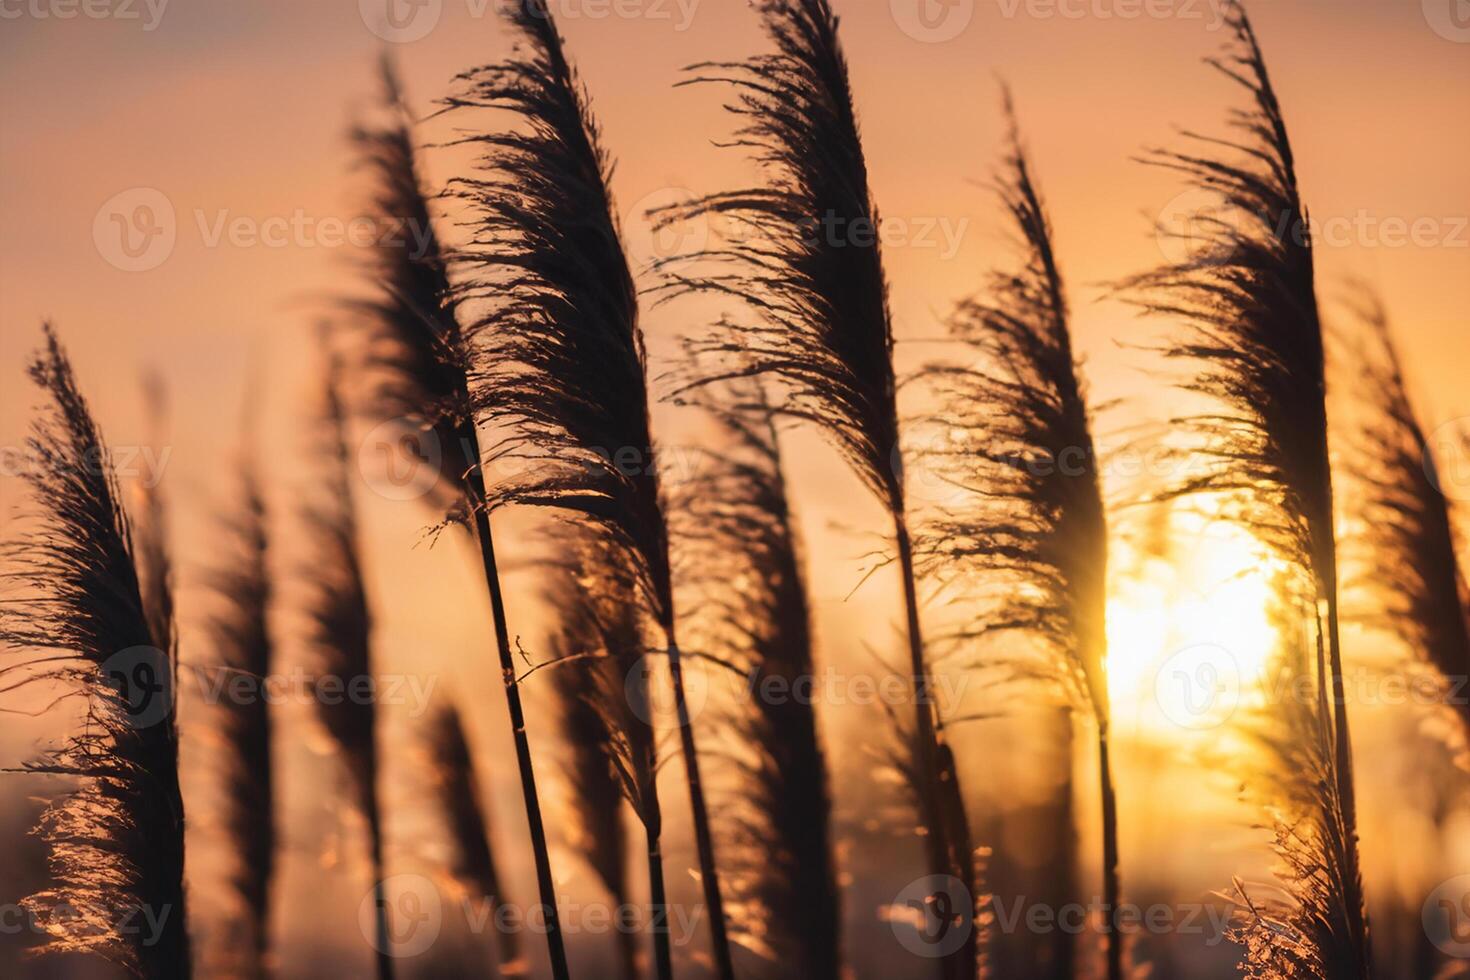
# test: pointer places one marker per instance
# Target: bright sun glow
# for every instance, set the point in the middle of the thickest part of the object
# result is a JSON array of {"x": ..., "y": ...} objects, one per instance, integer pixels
[{"x": 1188, "y": 632}]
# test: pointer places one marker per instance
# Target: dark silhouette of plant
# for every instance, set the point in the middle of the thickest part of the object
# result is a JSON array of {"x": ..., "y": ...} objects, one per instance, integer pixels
[
  {"x": 736, "y": 534},
  {"x": 340, "y": 633},
  {"x": 459, "y": 799},
  {"x": 117, "y": 841},
  {"x": 602, "y": 682},
  {"x": 1310, "y": 930},
  {"x": 1019, "y": 440},
  {"x": 564, "y": 356},
  {"x": 419, "y": 376},
  {"x": 1407, "y": 523},
  {"x": 1247, "y": 290},
  {"x": 240, "y": 638},
  {"x": 810, "y": 269}
]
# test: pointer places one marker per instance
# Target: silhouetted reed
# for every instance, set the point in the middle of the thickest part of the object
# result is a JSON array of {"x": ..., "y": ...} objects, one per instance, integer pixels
[
  {"x": 601, "y": 680},
  {"x": 1247, "y": 291},
  {"x": 460, "y": 800},
  {"x": 340, "y": 634},
  {"x": 239, "y": 635},
  {"x": 1311, "y": 929},
  {"x": 418, "y": 378},
  {"x": 1409, "y": 535},
  {"x": 1032, "y": 526},
  {"x": 809, "y": 267},
  {"x": 558, "y": 315},
  {"x": 736, "y": 534},
  {"x": 117, "y": 841}
]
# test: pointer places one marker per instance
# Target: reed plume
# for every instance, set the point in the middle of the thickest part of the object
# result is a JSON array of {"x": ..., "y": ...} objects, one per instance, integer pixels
[
  {"x": 117, "y": 841},
  {"x": 565, "y": 363},
  {"x": 736, "y": 528},
  {"x": 239, "y": 633},
  {"x": 418, "y": 376},
  {"x": 412, "y": 372},
  {"x": 1247, "y": 291},
  {"x": 1409, "y": 528},
  {"x": 602, "y": 685},
  {"x": 460, "y": 799},
  {"x": 1033, "y": 523},
  {"x": 1311, "y": 928},
  {"x": 810, "y": 268},
  {"x": 340, "y": 633}
]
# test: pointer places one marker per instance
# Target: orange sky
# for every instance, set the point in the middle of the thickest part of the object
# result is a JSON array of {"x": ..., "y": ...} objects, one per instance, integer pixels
[{"x": 232, "y": 110}]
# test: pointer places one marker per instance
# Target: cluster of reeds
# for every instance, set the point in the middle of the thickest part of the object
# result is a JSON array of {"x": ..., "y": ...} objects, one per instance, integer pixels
[{"x": 524, "y": 345}]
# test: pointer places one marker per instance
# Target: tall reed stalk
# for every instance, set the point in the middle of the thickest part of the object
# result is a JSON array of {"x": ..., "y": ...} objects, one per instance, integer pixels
[
  {"x": 737, "y": 534},
  {"x": 1310, "y": 930},
  {"x": 607, "y": 717},
  {"x": 418, "y": 376},
  {"x": 460, "y": 800},
  {"x": 564, "y": 365},
  {"x": 340, "y": 633},
  {"x": 810, "y": 268},
  {"x": 1247, "y": 290},
  {"x": 239, "y": 634},
  {"x": 117, "y": 841},
  {"x": 1409, "y": 535},
  {"x": 1018, "y": 436}
]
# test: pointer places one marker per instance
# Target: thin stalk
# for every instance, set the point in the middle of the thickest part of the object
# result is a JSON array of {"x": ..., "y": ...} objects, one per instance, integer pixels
[
  {"x": 1112, "y": 887},
  {"x": 659, "y": 908},
  {"x": 554, "y": 941},
  {"x": 703, "y": 840},
  {"x": 951, "y": 851},
  {"x": 380, "y": 898}
]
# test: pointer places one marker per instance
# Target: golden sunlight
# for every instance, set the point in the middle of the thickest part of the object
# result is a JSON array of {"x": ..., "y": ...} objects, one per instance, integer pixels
[{"x": 1189, "y": 632}]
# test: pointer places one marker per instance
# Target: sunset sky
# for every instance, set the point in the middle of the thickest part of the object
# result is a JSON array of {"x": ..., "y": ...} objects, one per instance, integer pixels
[{"x": 214, "y": 111}]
